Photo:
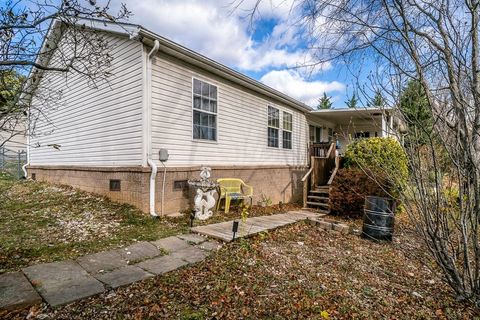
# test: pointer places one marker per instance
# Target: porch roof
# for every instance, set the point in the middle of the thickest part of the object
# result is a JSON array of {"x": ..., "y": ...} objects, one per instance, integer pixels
[{"x": 346, "y": 114}]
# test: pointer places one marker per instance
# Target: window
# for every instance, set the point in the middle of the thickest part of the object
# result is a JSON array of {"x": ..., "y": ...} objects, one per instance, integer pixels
[
  {"x": 204, "y": 111},
  {"x": 273, "y": 126},
  {"x": 315, "y": 134},
  {"x": 330, "y": 134},
  {"x": 318, "y": 134},
  {"x": 311, "y": 131},
  {"x": 115, "y": 185},
  {"x": 287, "y": 130},
  {"x": 360, "y": 135}
]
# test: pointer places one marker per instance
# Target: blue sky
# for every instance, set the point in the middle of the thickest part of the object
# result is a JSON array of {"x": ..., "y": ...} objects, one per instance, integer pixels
[{"x": 271, "y": 50}]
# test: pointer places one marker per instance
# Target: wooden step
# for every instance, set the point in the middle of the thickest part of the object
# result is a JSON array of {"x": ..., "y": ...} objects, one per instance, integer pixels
[
  {"x": 318, "y": 198},
  {"x": 318, "y": 204},
  {"x": 320, "y": 191}
]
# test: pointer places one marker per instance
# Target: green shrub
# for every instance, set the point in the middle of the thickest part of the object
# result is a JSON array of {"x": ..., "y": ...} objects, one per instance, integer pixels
[
  {"x": 381, "y": 158},
  {"x": 348, "y": 191}
]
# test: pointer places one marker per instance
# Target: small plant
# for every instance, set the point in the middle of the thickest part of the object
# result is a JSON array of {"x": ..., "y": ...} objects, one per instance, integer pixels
[
  {"x": 266, "y": 201},
  {"x": 382, "y": 158},
  {"x": 245, "y": 213},
  {"x": 347, "y": 195}
]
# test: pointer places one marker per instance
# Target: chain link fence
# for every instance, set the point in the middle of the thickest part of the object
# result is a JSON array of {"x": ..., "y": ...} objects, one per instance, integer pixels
[{"x": 11, "y": 162}]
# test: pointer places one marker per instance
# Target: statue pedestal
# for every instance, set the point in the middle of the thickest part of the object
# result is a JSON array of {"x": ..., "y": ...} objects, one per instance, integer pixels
[{"x": 204, "y": 200}]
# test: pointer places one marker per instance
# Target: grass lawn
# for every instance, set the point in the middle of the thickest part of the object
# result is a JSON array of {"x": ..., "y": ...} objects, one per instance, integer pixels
[
  {"x": 298, "y": 272},
  {"x": 41, "y": 222}
]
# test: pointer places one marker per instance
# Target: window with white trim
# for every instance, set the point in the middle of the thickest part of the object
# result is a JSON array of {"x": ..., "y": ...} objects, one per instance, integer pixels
[
  {"x": 287, "y": 130},
  {"x": 273, "y": 126},
  {"x": 204, "y": 111}
]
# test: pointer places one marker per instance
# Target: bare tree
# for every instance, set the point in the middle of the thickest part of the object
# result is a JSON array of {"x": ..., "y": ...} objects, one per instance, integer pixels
[
  {"x": 29, "y": 49},
  {"x": 434, "y": 43}
]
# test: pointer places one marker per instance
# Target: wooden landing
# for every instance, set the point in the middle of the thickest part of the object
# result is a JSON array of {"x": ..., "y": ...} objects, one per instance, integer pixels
[{"x": 223, "y": 230}]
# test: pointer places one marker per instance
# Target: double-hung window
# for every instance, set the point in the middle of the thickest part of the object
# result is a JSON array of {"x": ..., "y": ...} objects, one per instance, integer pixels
[
  {"x": 204, "y": 111},
  {"x": 273, "y": 126},
  {"x": 287, "y": 130}
]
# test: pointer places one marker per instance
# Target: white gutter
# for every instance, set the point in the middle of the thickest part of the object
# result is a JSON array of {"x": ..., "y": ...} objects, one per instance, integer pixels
[{"x": 150, "y": 162}]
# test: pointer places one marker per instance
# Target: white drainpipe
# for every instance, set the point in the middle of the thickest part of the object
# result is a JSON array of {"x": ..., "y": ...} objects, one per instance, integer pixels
[
  {"x": 150, "y": 162},
  {"x": 27, "y": 131},
  {"x": 153, "y": 177}
]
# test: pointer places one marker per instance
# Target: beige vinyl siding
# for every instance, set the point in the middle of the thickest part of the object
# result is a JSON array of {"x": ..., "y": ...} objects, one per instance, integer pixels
[
  {"x": 95, "y": 126},
  {"x": 241, "y": 121}
]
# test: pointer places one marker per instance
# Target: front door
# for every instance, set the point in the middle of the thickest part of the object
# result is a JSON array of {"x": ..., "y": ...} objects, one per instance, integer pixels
[{"x": 315, "y": 134}]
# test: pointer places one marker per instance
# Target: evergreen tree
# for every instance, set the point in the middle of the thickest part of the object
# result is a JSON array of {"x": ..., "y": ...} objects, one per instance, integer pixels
[
  {"x": 324, "y": 102},
  {"x": 352, "y": 102},
  {"x": 416, "y": 112},
  {"x": 378, "y": 100}
]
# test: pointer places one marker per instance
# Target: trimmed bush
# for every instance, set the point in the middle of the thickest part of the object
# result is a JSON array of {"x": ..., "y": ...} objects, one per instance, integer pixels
[
  {"x": 349, "y": 188},
  {"x": 381, "y": 158}
]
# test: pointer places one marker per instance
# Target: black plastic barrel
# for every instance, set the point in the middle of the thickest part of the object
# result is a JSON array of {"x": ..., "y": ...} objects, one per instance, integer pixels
[{"x": 378, "y": 218}]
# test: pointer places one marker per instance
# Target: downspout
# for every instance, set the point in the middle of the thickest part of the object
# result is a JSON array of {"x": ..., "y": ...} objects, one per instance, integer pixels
[
  {"x": 24, "y": 167},
  {"x": 150, "y": 162}
]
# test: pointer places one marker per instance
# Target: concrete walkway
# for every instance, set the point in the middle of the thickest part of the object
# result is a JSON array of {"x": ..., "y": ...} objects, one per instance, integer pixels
[
  {"x": 224, "y": 230},
  {"x": 66, "y": 281}
]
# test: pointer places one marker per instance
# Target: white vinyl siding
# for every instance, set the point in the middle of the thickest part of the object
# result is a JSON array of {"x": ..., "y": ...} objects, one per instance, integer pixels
[
  {"x": 241, "y": 121},
  {"x": 95, "y": 126}
]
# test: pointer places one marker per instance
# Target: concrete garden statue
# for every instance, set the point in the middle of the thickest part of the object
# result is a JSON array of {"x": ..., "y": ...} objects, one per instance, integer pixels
[{"x": 204, "y": 200}]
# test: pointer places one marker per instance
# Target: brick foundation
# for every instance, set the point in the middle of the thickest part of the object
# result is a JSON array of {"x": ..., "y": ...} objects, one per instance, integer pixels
[{"x": 279, "y": 183}]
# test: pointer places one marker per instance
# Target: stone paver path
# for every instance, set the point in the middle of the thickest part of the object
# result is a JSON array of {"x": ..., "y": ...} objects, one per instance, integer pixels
[
  {"x": 223, "y": 230},
  {"x": 66, "y": 281}
]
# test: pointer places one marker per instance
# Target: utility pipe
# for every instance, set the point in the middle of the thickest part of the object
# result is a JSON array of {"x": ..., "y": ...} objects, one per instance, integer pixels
[
  {"x": 150, "y": 162},
  {"x": 153, "y": 177}
]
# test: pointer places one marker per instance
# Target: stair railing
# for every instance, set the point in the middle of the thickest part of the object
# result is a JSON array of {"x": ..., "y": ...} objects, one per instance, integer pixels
[
  {"x": 306, "y": 188},
  {"x": 323, "y": 166}
]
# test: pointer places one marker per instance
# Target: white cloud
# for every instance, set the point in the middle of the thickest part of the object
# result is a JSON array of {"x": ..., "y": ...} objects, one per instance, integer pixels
[
  {"x": 216, "y": 30},
  {"x": 293, "y": 84},
  {"x": 219, "y": 31}
]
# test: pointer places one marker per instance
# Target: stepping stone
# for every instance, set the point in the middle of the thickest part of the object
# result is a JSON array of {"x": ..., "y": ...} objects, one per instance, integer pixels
[
  {"x": 191, "y": 254},
  {"x": 267, "y": 223},
  {"x": 161, "y": 264},
  {"x": 62, "y": 282},
  {"x": 171, "y": 244},
  {"x": 106, "y": 261},
  {"x": 139, "y": 251},
  {"x": 123, "y": 276},
  {"x": 223, "y": 231},
  {"x": 192, "y": 238},
  {"x": 209, "y": 245},
  {"x": 307, "y": 214},
  {"x": 16, "y": 292}
]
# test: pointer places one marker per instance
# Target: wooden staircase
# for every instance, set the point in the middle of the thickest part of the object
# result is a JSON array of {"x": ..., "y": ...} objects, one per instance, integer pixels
[
  {"x": 318, "y": 199},
  {"x": 324, "y": 165}
]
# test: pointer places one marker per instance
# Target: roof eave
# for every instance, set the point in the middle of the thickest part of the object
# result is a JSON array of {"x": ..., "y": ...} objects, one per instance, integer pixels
[{"x": 203, "y": 62}]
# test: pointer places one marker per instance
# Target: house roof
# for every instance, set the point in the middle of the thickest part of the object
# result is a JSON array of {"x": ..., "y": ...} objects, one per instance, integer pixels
[
  {"x": 135, "y": 31},
  {"x": 148, "y": 37},
  {"x": 338, "y": 115}
]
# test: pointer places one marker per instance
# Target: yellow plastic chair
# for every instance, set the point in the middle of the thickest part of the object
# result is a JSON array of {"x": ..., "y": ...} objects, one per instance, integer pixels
[{"x": 233, "y": 189}]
